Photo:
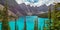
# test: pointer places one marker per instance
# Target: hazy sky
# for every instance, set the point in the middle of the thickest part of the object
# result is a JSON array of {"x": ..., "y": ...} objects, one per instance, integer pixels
[{"x": 37, "y": 2}]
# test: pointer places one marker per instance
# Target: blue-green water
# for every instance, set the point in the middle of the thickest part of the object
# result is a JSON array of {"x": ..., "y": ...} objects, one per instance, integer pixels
[{"x": 30, "y": 23}]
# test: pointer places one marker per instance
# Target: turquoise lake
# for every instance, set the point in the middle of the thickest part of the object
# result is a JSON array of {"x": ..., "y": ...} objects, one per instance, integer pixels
[{"x": 30, "y": 23}]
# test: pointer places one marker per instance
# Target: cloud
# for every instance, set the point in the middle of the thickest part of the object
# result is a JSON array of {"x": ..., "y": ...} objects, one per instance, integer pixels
[
  {"x": 19, "y": 1},
  {"x": 47, "y": 2},
  {"x": 37, "y": 3}
]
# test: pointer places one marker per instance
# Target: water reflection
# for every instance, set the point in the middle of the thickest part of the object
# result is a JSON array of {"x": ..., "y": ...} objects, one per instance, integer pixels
[{"x": 30, "y": 23}]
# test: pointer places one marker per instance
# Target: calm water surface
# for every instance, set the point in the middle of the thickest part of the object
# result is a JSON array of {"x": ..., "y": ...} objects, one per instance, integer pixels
[{"x": 30, "y": 23}]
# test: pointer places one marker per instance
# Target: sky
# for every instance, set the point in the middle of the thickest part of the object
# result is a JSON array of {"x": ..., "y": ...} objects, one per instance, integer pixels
[{"x": 37, "y": 2}]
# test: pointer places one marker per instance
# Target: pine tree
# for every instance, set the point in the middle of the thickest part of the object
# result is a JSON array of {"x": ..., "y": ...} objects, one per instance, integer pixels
[
  {"x": 25, "y": 23},
  {"x": 5, "y": 25},
  {"x": 15, "y": 25},
  {"x": 44, "y": 28},
  {"x": 5, "y": 17},
  {"x": 55, "y": 18},
  {"x": 36, "y": 24},
  {"x": 49, "y": 16},
  {"x": 56, "y": 23},
  {"x": 0, "y": 15}
]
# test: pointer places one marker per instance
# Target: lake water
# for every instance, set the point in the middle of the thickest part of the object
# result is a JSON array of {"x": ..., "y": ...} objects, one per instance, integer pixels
[{"x": 30, "y": 23}]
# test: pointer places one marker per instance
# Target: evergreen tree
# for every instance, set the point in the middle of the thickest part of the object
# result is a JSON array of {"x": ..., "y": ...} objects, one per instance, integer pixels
[
  {"x": 5, "y": 25},
  {"x": 36, "y": 24},
  {"x": 15, "y": 25},
  {"x": 56, "y": 23},
  {"x": 5, "y": 17},
  {"x": 49, "y": 16},
  {"x": 0, "y": 15},
  {"x": 55, "y": 17},
  {"x": 16, "y": 28},
  {"x": 44, "y": 27},
  {"x": 25, "y": 28}
]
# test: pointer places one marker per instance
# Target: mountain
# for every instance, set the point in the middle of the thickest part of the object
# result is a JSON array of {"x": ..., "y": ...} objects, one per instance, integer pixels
[
  {"x": 35, "y": 10},
  {"x": 43, "y": 8},
  {"x": 23, "y": 9},
  {"x": 13, "y": 6},
  {"x": 9, "y": 12}
]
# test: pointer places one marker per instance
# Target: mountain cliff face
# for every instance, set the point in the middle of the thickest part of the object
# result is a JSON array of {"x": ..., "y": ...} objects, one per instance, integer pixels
[
  {"x": 22, "y": 9},
  {"x": 35, "y": 10},
  {"x": 9, "y": 12},
  {"x": 13, "y": 6},
  {"x": 43, "y": 8}
]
